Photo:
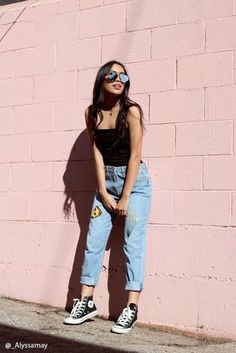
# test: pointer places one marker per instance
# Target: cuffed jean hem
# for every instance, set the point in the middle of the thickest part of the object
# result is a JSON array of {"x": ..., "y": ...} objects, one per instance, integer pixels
[
  {"x": 134, "y": 286},
  {"x": 88, "y": 281}
]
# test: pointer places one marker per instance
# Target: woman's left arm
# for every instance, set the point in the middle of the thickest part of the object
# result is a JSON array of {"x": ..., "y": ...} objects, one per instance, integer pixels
[{"x": 136, "y": 137}]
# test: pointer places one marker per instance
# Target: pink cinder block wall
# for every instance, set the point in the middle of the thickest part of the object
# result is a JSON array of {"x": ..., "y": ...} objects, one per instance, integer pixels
[{"x": 181, "y": 58}]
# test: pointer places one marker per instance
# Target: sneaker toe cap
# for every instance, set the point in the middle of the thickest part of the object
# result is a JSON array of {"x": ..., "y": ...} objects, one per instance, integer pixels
[{"x": 68, "y": 320}]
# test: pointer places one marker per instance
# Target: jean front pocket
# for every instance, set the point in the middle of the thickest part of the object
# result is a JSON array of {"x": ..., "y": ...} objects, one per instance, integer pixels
[
  {"x": 142, "y": 184},
  {"x": 141, "y": 176},
  {"x": 142, "y": 173}
]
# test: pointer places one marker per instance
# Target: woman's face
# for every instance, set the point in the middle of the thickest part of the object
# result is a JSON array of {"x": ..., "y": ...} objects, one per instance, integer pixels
[{"x": 116, "y": 87}]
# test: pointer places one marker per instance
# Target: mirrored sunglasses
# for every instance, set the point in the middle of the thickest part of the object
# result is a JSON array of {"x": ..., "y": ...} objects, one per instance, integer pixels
[{"x": 112, "y": 76}]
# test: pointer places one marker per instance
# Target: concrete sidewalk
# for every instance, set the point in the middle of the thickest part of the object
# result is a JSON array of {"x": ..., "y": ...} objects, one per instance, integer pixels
[{"x": 41, "y": 329}]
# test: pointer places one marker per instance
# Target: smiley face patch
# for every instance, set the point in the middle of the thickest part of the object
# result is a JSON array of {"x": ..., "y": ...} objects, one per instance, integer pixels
[{"x": 96, "y": 212}]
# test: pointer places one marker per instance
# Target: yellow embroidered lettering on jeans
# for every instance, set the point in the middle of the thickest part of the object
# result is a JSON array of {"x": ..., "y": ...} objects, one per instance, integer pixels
[
  {"x": 96, "y": 212},
  {"x": 132, "y": 217}
]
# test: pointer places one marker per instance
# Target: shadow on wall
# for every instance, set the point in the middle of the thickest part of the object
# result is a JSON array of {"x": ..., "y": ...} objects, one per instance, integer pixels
[
  {"x": 8, "y": 2},
  {"x": 80, "y": 185},
  {"x": 55, "y": 344}
]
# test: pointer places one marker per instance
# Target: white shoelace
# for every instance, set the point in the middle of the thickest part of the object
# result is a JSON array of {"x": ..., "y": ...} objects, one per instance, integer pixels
[
  {"x": 78, "y": 307},
  {"x": 126, "y": 316}
]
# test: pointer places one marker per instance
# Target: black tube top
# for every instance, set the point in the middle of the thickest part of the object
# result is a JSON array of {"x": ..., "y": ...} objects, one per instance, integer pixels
[{"x": 114, "y": 149}]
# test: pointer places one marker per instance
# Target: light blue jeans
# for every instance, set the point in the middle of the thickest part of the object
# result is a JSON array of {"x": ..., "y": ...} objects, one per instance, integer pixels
[{"x": 135, "y": 227}]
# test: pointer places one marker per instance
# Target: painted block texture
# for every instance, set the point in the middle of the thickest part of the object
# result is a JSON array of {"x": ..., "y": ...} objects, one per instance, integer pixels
[{"x": 180, "y": 55}]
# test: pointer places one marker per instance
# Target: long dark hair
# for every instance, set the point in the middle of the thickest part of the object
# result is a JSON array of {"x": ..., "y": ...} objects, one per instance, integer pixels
[{"x": 125, "y": 102}]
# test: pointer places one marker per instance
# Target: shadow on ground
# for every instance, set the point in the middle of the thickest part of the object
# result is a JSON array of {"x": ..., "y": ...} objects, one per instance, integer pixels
[{"x": 14, "y": 338}]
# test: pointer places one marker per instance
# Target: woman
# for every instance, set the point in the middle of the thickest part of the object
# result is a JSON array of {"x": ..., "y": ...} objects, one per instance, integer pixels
[{"x": 115, "y": 127}]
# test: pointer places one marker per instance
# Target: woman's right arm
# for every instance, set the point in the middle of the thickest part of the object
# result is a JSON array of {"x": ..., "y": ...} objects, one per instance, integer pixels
[{"x": 107, "y": 199}]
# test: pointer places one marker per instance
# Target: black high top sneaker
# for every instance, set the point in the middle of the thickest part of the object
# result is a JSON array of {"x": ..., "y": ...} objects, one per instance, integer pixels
[
  {"x": 126, "y": 320},
  {"x": 82, "y": 310}
]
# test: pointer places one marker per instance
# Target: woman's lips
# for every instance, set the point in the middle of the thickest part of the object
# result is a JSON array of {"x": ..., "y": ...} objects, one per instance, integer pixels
[{"x": 117, "y": 86}]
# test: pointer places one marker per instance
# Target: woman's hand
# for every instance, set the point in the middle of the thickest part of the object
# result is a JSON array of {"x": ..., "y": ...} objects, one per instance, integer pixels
[
  {"x": 122, "y": 206},
  {"x": 108, "y": 202}
]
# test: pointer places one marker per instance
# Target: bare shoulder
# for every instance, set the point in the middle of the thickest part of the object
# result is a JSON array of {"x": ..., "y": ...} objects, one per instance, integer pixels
[
  {"x": 134, "y": 114},
  {"x": 134, "y": 111}
]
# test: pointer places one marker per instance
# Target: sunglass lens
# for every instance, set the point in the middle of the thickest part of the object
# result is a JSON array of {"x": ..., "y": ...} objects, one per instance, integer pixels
[
  {"x": 124, "y": 78},
  {"x": 112, "y": 75}
]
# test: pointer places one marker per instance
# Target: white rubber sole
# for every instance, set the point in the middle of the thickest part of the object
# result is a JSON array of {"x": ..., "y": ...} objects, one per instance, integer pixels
[
  {"x": 70, "y": 321},
  {"x": 120, "y": 330}
]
